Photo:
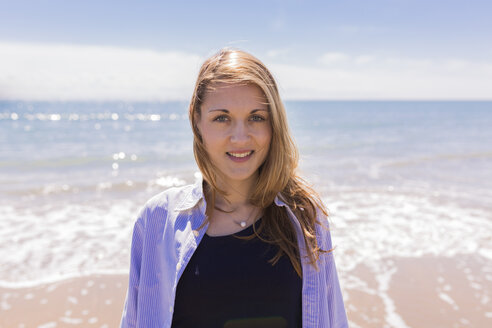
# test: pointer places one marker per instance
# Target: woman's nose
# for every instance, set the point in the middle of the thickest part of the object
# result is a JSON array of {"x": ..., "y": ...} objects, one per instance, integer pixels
[{"x": 239, "y": 133}]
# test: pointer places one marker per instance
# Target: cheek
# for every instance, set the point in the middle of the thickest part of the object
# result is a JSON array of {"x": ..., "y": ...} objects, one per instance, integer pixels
[{"x": 212, "y": 139}]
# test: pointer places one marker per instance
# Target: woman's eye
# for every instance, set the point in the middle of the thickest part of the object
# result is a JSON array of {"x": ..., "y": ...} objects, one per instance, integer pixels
[
  {"x": 221, "y": 118},
  {"x": 257, "y": 118}
]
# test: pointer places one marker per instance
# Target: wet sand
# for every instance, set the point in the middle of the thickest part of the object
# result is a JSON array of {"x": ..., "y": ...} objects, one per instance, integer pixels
[
  {"x": 420, "y": 292},
  {"x": 423, "y": 292},
  {"x": 93, "y": 301}
]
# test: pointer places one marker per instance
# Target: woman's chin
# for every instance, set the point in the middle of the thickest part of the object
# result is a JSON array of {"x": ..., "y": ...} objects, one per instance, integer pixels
[{"x": 240, "y": 177}]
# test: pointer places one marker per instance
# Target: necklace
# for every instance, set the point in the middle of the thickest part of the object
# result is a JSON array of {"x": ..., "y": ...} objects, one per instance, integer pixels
[{"x": 243, "y": 223}]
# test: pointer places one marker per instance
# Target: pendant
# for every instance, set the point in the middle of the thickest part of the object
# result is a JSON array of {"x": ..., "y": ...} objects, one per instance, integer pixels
[{"x": 243, "y": 224}]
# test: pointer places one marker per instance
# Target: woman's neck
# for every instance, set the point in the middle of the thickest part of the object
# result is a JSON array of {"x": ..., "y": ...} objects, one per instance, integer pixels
[{"x": 238, "y": 193}]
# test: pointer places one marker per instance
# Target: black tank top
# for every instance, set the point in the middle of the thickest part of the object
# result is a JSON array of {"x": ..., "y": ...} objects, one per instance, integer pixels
[{"x": 229, "y": 283}]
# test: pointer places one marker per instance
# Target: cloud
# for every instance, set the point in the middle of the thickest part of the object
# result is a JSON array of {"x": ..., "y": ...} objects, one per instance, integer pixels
[
  {"x": 30, "y": 71},
  {"x": 76, "y": 72},
  {"x": 364, "y": 59},
  {"x": 344, "y": 76},
  {"x": 330, "y": 58}
]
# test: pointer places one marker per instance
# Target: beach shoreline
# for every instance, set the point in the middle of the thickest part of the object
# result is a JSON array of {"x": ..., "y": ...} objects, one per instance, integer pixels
[
  {"x": 419, "y": 292},
  {"x": 407, "y": 184}
]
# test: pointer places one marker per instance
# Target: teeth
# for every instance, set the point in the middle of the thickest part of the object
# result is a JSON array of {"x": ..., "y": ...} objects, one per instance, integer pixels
[{"x": 241, "y": 154}]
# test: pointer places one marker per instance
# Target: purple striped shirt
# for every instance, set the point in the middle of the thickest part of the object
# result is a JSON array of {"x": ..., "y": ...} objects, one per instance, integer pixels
[{"x": 164, "y": 238}]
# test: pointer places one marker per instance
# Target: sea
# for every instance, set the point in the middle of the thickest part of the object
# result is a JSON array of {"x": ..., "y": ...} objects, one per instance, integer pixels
[{"x": 401, "y": 179}]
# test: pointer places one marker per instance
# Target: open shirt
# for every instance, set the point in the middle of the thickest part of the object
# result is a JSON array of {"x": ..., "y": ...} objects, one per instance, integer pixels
[{"x": 164, "y": 238}]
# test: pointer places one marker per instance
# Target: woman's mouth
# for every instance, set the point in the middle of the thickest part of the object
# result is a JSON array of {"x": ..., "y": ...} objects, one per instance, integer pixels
[{"x": 240, "y": 156}]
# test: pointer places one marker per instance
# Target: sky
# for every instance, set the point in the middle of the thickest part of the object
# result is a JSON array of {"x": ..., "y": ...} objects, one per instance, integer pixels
[{"x": 322, "y": 50}]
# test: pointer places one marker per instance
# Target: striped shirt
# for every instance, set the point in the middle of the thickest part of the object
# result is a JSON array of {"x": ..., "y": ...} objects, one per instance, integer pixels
[{"x": 165, "y": 236}]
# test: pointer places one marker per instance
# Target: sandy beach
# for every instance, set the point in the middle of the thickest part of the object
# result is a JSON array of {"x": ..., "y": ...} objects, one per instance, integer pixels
[
  {"x": 422, "y": 292},
  {"x": 93, "y": 301}
]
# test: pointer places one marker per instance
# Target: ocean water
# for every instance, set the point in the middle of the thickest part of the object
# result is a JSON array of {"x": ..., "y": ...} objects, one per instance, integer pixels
[{"x": 401, "y": 180}]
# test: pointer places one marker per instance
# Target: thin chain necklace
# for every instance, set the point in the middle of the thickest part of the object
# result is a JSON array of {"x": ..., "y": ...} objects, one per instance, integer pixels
[{"x": 243, "y": 223}]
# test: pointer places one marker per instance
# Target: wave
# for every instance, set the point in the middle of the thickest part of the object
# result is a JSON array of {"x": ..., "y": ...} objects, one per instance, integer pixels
[{"x": 367, "y": 226}]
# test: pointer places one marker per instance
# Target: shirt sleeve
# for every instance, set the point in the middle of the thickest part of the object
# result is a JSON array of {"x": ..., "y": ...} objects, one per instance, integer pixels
[
  {"x": 335, "y": 307},
  {"x": 129, "y": 317}
]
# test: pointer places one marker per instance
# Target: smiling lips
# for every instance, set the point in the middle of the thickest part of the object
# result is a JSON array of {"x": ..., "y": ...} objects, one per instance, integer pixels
[{"x": 240, "y": 156}]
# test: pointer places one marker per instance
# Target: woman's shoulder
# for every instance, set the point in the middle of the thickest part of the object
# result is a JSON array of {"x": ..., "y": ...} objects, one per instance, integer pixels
[
  {"x": 169, "y": 197},
  {"x": 166, "y": 201}
]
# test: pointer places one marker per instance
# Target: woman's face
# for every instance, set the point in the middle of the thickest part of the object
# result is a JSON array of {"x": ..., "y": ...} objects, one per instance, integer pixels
[{"x": 235, "y": 128}]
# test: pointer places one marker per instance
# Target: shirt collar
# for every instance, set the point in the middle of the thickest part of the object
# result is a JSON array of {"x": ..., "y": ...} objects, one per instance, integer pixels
[
  {"x": 196, "y": 194},
  {"x": 193, "y": 196}
]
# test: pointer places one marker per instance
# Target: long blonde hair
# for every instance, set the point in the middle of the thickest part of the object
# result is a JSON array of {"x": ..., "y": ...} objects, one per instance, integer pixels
[{"x": 276, "y": 175}]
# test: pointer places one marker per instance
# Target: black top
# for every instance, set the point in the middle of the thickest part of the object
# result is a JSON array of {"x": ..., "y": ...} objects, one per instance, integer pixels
[{"x": 229, "y": 283}]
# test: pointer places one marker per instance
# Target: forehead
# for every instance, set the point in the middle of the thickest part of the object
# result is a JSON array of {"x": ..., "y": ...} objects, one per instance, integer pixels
[{"x": 235, "y": 96}]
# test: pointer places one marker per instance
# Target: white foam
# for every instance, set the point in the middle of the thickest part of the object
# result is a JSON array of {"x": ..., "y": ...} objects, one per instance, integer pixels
[
  {"x": 60, "y": 242},
  {"x": 72, "y": 321},
  {"x": 486, "y": 252},
  {"x": 50, "y": 243},
  {"x": 391, "y": 315},
  {"x": 370, "y": 226},
  {"x": 446, "y": 298},
  {"x": 51, "y": 324}
]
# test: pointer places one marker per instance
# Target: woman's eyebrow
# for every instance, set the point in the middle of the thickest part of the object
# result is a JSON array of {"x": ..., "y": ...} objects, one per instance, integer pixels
[
  {"x": 218, "y": 110},
  {"x": 227, "y": 111}
]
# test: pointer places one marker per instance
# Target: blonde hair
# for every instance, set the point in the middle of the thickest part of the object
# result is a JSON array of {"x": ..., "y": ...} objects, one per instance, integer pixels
[{"x": 276, "y": 175}]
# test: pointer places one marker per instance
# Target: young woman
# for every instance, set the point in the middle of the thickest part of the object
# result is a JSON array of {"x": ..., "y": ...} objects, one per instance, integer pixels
[{"x": 248, "y": 245}]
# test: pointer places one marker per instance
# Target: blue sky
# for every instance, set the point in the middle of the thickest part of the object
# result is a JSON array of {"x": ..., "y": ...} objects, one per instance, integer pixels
[{"x": 316, "y": 49}]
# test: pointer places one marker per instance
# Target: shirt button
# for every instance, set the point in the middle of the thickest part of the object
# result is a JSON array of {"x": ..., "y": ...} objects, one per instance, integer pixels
[
  {"x": 178, "y": 266},
  {"x": 170, "y": 309}
]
